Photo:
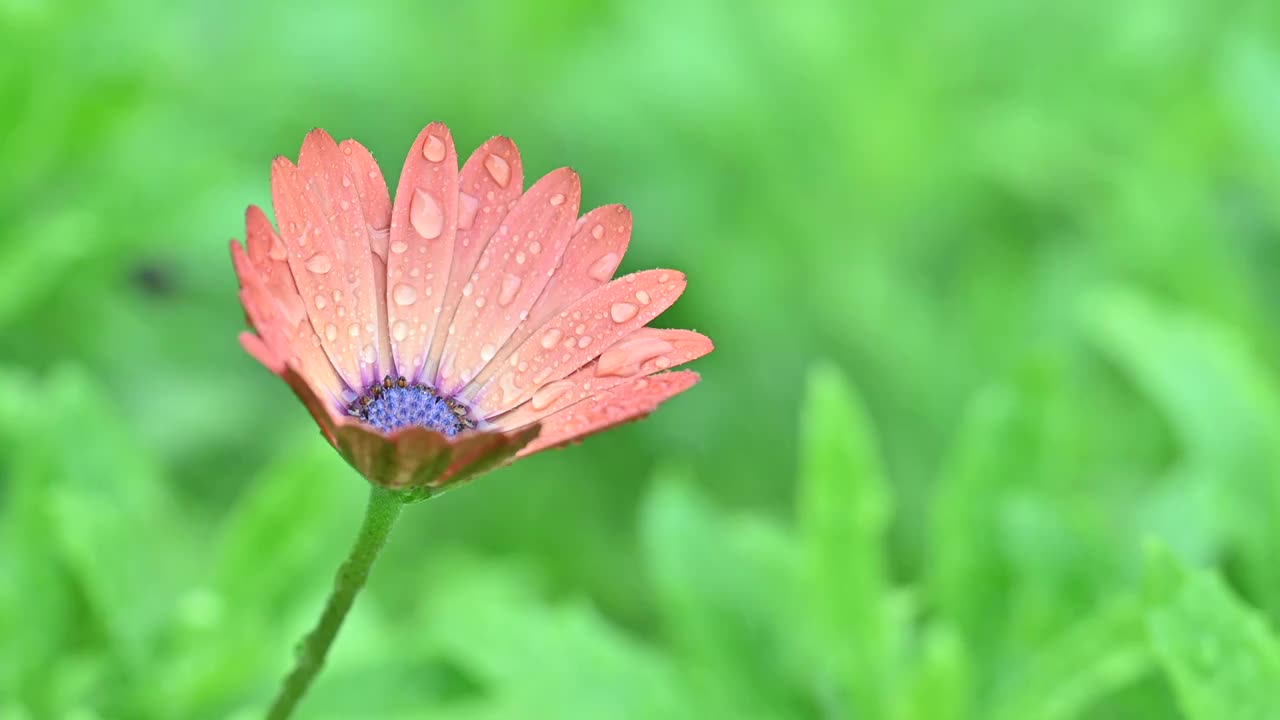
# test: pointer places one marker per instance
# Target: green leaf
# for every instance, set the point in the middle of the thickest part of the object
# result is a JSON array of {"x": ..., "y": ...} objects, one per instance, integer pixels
[
  {"x": 120, "y": 531},
  {"x": 844, "y": 506},
  {"x": 1221, "y": 656},
  {"x": 724, "y": 588},
  {"x": 535, "y": 659},
  {"x": 1222, "y": 404},
  {"x": 274, "y": 560},
  {"x": 940, "y": 683}
]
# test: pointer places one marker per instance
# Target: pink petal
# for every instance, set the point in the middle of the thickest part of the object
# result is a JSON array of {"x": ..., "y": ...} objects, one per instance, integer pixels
[
  {"x": 631, "y": 401},
  {"x": 643, "y": 352},
  {"x": 423, "y": 227},
  {"x": 316, "y": 257},
  {"x": 576, "y": 335},
  {"x": 276, "y": 312},
  {"x": 332, "y": 184},
  {"x": 490, "y": 184},
  {"x": 593, "y": 254},
  {"x": 375, "y": 204},
  {"x": 510, "y": 276}
]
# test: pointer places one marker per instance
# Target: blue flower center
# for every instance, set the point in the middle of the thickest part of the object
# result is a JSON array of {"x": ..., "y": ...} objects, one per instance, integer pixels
[{"x": 394, "y": 404}]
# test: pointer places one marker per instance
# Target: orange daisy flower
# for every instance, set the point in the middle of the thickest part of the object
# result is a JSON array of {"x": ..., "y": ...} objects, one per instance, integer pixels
[{"x": 469, "y": 323}]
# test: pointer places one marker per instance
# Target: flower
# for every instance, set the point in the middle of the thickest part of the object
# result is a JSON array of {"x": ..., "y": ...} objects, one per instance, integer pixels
[{"x": 469, "y": 323}]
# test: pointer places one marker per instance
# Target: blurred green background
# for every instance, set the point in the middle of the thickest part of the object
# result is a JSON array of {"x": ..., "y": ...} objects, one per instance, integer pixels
[{"x": 992, "y": 430}]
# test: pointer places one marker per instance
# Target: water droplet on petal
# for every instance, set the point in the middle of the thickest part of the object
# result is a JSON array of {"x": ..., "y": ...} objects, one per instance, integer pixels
[
  {"x": 548, "y": 394},
  {"x": 400, "y": 330},
  {"x": 425, "y": 215},
  {"x": 663, "y": 277},
  {"x": 643, "y": 297},
  {"x": 603, "y": 268},
  {"x": 622, "y": 312},
  {"x": 353, "y": 329},
  {"x": 369, "y": 354},
  {"x": 663, "y": 363},
  {"x": 584, "y": 341},
  {"x": 487, "y": 352},
  {"x": 346, "y": 179},
  {"x": 498, "y": 169},
  {"x": 521, "y": 257},
  {"x": 535, "y": 247},
  {"x": 468, "y": 289},
  {"x": 467, "y": 207},
  {"x": 319, "y": 263},
  {"x": 627, "y": 357},
  {"x": 510, "y": 286},
  {"x": 321, "y": 301},
  {"x": 557, "y": 199},
  {"x": 550, "y": 338},
  {"x": 542, "y": 375},
  {"x": 433, "y": 149},
  {"x": 404, "y": 294},
  {"x": 597, "y": 232},
  {"x": 331, "y": 332}
]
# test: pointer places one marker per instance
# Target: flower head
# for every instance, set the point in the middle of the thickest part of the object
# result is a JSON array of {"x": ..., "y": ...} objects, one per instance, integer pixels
[{"x": 466, "y": 324}]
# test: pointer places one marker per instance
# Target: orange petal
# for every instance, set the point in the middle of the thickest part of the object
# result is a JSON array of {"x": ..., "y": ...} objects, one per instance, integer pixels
[
  {"x": 643, "y": 352},
  {"x": 589, "y": 261},
  {"x": 511, "y": 274},
  {"x": 423, "y": 227},
  {"x": 375, "y": 204},
  {"x": 576, "y": 335},
  {"x": 625, "y": 403},
  {"x": 490, "y": 184}
]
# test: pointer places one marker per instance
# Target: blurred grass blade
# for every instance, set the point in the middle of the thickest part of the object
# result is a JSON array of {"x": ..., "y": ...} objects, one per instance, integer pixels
[
  {"x": 119, "y": 528},
  {"x": 1221, "y": 657},
  {"x": 1104, "y": 652},
  {"x": 843, "y": 511},
  {"x": 1225, "y": 410},
  {"x": 939, "y": 687},
  {"x": 724, "y": 588}
]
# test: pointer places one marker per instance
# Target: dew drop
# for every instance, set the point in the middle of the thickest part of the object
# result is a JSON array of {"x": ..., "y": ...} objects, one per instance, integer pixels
[
  {"x": 404, "y": 294},
  {"x": 542, "y": 375},
  {"x": 557, "y": 199},
  {"x": 433, "y": 149},
  {"x": 468, "y": 205},
  {"x": 597, "y": 232},
  {"x": 321, "y": 301},
  {"x": 346, "y": 179},
  {"x": 550, "y": 338},
  {"x": 643, "y": 297},
  {"x": 319, "y": 263},
  {"x": 425, "y": 215},
  {"x": 603, "y": 268},
  {"x": 584, "y": 341},
  {"x": 487, "y": 352},
  {"x": 331, "y": 332},
  {"x": 622, "y": 312},
  {"x": 353, "y": 329},
  {"x": 535, "y": 247},
  {"x": 369, "y": 354},
  {"x": 627, "y": 357},
  {"x": 510, "y": 286},
  {"x": 663, "y": 277},
  {"x": 548, "y": 394},
  {"x": 468, "y": 289},
  {"x": 400, "y": 330},
  {"x": 480, "y": 301},
  {"x": 521, "y": 257},
  {"x": 498, "y": 169}
]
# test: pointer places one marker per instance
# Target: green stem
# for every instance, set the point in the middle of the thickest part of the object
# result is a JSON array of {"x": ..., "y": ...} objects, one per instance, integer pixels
[{"x": 384, "y": 507}]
